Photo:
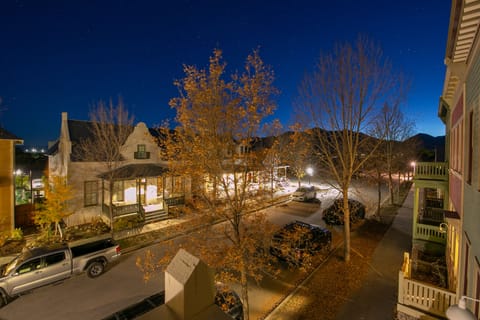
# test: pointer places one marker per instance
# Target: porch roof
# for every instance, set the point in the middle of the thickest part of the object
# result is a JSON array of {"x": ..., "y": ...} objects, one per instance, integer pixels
[
  {"x": 451, "y": 214},
  {"x": 132, "y": 171}
]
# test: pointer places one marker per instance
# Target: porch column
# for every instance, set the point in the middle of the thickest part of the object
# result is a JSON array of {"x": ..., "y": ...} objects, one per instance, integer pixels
[{"x": 416, "y": 200}]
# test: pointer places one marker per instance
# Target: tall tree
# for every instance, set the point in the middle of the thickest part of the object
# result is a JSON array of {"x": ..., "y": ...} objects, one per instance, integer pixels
[
  {"x": 110, "y": 125},
  {"x": 215, "y": 144},
  {"x": 393, "y": 128},
  {"x": 340, "y": 99}
]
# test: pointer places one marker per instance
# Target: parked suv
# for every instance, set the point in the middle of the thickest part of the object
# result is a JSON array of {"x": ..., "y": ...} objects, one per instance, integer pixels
[{"x": 297, "y": 239}]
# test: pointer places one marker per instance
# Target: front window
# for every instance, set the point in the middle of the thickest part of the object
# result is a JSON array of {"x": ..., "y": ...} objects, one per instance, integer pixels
[
  {"x": 141, "y": 152},
  {"x": 159, "y": 186},
  {"x": 178, "y": 185},
  {"x": 91, "y": 193},
  {"x": 118, "y": 191}
]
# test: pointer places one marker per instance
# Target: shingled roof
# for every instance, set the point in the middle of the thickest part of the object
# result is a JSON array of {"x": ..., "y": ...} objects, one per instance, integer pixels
[
  {"x": 5, "y": 135},
  {"x": 132, "y": 171},
  {"x": 78, "y": 131}
]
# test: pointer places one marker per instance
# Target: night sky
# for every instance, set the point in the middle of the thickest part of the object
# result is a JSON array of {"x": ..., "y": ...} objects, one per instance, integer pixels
[{"x": 60, "y": 56}]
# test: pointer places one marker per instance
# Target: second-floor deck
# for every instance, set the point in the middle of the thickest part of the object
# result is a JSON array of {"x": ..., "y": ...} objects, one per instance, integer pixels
[{"x": 431, "y": 171}]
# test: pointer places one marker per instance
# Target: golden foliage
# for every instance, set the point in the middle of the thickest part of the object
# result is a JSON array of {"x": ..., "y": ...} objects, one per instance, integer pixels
[{"x": 55, "y": 206}]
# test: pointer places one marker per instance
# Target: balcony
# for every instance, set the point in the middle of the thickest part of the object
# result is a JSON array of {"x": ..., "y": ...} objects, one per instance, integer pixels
[
  {"x": 428, "y": 225},
  {"x": 417, "y": 298},
  {"x": 431, "y": 171}
]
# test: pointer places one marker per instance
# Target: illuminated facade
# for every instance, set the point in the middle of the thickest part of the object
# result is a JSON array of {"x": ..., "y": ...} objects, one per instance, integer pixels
[{"x": 459, "y": 109}]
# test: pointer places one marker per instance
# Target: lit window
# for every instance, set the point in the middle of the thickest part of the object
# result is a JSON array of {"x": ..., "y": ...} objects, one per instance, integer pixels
[{"x": 141, "y": 152}]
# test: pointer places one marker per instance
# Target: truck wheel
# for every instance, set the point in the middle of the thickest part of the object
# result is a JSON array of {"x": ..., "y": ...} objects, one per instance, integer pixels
[
  {"x": 95, "y": 269},
  {"x": 3, "y": 298}
]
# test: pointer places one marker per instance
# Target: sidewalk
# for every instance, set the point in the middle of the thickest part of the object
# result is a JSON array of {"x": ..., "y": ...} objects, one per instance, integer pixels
[{"x": 377, "y": 297}]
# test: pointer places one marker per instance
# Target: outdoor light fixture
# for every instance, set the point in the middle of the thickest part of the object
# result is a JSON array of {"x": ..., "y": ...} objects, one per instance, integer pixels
[
  {"x": 310, "y": 173},
  {"x": 459, "y": 311}
]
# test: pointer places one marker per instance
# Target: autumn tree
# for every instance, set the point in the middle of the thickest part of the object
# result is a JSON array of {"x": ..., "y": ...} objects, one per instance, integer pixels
[
  {"x": 340, "y": 100},
  {"x": 109, "y": 127},
  {"x": 54, "y": 207},
  {"x": 215, "y": 144}
]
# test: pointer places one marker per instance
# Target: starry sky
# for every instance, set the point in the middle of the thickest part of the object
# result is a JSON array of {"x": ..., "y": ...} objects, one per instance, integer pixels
[{"x": 58, "y": 56}]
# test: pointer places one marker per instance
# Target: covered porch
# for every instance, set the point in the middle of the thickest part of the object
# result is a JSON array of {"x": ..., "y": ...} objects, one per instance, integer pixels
[{"x": 146, "y": 190}]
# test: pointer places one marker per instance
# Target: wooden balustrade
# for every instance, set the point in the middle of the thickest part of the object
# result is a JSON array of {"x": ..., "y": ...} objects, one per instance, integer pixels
[
  {"x": 420, "y": 295},
  {"x": 431, "y": 170}
]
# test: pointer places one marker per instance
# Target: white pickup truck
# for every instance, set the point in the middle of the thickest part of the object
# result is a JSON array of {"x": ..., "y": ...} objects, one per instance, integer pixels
[{"x": 40, "y": 266}]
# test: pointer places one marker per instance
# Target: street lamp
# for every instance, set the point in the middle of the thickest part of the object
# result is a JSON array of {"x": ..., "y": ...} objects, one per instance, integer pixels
[
  {"x": 459, "y": 311},
  {"x": 413, "y": 164},
  {"x": 310, "y": 173}
]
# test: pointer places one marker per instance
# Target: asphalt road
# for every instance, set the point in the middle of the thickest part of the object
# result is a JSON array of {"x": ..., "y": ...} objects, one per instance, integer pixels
[{"x": 122, "y": 285}]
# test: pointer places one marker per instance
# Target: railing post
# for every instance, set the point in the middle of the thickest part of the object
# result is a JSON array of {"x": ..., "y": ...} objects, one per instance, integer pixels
[{"x": 401, "y": 279}]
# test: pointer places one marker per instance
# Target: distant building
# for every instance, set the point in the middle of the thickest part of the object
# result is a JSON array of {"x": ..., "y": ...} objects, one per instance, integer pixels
[{"x": 7, "y": 181}]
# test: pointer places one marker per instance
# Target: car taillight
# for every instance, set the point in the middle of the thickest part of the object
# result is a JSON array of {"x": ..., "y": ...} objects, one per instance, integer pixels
[{"x": 117, "y": 250}]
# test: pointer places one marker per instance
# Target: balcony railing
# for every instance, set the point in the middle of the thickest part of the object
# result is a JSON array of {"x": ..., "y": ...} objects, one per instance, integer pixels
[
  {"x": 430, "y": 233},
  {"x": 431, "y": 171},
  {"x": 420, "y": 295}
]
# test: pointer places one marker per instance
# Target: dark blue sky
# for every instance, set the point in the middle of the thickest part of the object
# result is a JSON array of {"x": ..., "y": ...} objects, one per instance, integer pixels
[{"x": 66, "y": 55}]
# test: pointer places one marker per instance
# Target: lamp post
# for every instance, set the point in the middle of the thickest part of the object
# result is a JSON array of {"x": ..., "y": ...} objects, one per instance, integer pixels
[
  {"x": 310, "y": 173},
  {"x": 413, "y": 164},
  {"x": 459, "y": 311}
]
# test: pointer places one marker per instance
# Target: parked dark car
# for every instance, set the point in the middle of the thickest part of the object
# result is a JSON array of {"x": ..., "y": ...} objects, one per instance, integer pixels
[
  {"x": 297, "y": 239},
  {"x": 230, "y": 302},
  {"x": 333, "y": 215}
]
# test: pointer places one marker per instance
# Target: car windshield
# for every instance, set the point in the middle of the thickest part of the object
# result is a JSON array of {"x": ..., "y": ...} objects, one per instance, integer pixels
[{"x": 12, "y": 265}]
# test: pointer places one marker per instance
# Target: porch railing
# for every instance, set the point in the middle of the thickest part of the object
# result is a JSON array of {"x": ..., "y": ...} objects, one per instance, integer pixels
[
  {"x": 420, "y": 295},
  {"x": 175, "y": 201},
  {"x": 431, "y": 171},
  {"x": 124, "y": 210},
  {"x": 429, "y": 233}
]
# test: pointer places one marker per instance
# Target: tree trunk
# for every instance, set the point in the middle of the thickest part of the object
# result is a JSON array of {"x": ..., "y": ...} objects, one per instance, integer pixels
[
  {"x": 110, "y": 204},
  {"x": 390, "y": 187},
  {"x": 346, "y": 226},
  {"x": 244, "y": 284},
  {"x": 379, "y": 185},
  {"x": 59, "y": 229}
]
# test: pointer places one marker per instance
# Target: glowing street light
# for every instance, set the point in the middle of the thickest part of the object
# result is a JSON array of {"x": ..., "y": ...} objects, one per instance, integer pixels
[{"x": 310, "y": 173}]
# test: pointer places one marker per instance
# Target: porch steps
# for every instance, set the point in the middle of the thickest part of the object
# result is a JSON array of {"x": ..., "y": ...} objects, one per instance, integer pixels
[{"x": 154, "y": 216}]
